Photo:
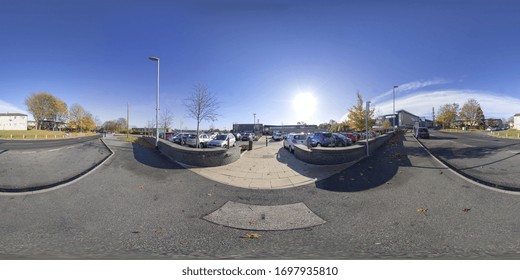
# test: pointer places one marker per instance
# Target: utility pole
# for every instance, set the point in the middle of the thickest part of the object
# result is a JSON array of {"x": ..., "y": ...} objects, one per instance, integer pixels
[
  {"x": 433, "y": 116},
  {"x": 254, "y": 122},
  {"x": 366, "y": 125},
  {"x": 127, "y": 119}
]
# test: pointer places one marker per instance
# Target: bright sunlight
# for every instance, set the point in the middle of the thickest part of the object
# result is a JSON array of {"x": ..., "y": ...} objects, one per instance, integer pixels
[{"x": 304, "y": 104}]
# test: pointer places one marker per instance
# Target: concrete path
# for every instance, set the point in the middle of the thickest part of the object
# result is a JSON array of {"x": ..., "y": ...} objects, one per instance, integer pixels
[{"x": 270, "y": 167}]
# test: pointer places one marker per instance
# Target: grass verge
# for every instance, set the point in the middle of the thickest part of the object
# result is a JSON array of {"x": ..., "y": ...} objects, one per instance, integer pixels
[{"x": 40, "y": 134}]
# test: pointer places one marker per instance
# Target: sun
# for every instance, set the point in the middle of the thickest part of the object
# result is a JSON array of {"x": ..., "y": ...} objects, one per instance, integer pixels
[{"x": 304, "y": 104}]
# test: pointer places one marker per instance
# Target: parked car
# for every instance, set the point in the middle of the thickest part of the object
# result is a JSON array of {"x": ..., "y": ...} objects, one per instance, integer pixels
[
  {"x": 245, "y": 136},
  {"x": 203, "y": 140},
  {"x": 221, "y": 140},
  {"x": 292, "y": 139},
  {"x": 422, "y": 132},
  {"x": 357, "y": 134},
  {"x": 319, "y": 139},
  {"x": 352, "y": 137},
  {"x": 166, "y": 135},
  {"x": 341, "y": 140},
  {"x": 180, "y": 138},
  {"x": 277, "y": 136},
  {"x": 238, "y": 136}
]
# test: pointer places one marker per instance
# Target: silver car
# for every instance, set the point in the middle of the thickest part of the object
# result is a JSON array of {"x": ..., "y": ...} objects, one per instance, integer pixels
[
  {"x": 203, "y": 141},
  {"x": 292, "y": 139},
  {"x": 221, "y": 140}
]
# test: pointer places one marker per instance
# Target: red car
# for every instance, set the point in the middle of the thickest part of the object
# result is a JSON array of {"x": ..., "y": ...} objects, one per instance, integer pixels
[{"x": 352, "y": 137}]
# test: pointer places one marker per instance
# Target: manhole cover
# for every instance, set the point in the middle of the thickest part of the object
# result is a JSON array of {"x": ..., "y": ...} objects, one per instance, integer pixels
[{"x": 261, "y": 217}]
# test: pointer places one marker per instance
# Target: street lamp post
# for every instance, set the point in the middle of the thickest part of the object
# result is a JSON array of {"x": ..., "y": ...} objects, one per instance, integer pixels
[
  {"x": 254, "y": 122},
  {"x": 366, "y": 125},
  {"x": 156, "y": 104},
  {"x": 393, "y": 117}
]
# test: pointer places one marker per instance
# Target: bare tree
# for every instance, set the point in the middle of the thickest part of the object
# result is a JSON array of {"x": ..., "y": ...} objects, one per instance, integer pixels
[
  {"x": 166, "y": 119},
  {"x": 202, "y": 106}
]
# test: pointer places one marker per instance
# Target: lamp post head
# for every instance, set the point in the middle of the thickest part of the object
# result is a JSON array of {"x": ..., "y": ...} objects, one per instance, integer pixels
[
  {"x": 396, "y": 87},
  {"x": 153, "y": 58}
]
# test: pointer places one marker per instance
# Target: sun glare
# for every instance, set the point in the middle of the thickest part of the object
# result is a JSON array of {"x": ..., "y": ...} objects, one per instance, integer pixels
[{"x": 304, "y": 104}]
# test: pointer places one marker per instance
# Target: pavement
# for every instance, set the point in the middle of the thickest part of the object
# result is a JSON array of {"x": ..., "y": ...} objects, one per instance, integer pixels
[{"x": 268, "y": 167}]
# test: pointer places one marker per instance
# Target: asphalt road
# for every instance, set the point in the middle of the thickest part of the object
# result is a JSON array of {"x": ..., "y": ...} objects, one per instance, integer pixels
[
  {"x": 491, "y": 160},
  {"x": 399, "y": 203},
  {"x": 6, "y": 145}
]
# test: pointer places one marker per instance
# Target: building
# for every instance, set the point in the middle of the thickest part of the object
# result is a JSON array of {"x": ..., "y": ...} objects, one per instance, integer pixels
[
  {"x": 284, "y": 129},
  {"x": 248, "y": 127},
  {"x": 516, "y": 121},
  {"x": 13, "y": 121},
  {"x": 405, "y": 119}
]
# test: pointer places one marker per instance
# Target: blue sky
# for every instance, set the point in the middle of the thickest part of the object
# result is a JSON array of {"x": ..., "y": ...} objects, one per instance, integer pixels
[{"x": 257, "y": 56}]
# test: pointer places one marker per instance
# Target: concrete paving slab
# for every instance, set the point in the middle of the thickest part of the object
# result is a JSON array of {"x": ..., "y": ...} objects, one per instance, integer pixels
[
  {"x": 265, "y": 167},
  {"x": 260, "y": 217}
]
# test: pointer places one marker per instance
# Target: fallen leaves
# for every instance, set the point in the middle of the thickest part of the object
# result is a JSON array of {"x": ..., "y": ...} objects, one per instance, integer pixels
[
  {"x": 141, "y": 187},
  {"x": 422, "y": 210},
  {"x": 251, "y": 235},
  {"x": 466, "y": 210}
]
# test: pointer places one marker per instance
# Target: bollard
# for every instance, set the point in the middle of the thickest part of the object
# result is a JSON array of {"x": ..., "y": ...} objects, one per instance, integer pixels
[
  {"x": 266, "y": 141},
  {"x": 228, "y": 143}
]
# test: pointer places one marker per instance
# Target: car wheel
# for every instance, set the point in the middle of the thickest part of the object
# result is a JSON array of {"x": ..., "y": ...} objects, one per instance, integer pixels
[
  {"x": 291, "y": 150},
  {"x": 340, "y": 144},
  {"x": 318, "y": 144}
]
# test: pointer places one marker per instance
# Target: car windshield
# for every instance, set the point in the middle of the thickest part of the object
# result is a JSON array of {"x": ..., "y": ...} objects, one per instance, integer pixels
[
  {"x": 221, "y": 137},
  {"x": 299, "y": 137}
]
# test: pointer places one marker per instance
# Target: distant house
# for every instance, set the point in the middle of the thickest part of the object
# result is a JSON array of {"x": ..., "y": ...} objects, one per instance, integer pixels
[
  {"x": 516, "y": 121},
  {"x": 13, "y": 121}
]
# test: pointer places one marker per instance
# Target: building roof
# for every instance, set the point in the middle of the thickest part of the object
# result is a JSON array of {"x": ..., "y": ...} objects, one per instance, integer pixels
[
  {"x": 12, "y": 114},
  {"x": 397, "y": 112},
  {"x": 517, "y": 115}
]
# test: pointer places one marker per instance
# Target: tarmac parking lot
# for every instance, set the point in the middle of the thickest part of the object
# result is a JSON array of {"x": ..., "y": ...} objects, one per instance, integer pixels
[{"x": 398, "y": 203}]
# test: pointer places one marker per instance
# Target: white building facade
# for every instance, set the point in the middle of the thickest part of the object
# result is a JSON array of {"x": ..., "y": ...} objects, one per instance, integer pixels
[
  {"x": 517, "y": 121},
  {"x": 13, "y": 121}
]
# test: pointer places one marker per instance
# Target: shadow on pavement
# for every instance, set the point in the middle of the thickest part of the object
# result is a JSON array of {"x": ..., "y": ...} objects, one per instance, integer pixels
[
  {"x": 373, "y": 171},
  {"x": 453, "y": 152},
  {"x": 153, "y": 158}
]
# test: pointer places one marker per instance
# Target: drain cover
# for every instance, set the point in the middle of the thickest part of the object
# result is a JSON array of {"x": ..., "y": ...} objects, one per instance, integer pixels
[{"x": 261, "y": 217}]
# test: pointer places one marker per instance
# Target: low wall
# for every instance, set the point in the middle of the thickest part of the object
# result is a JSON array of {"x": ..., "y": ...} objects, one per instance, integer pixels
[
  {"x": 197, "y": 157},
  {"x": 325, "y": 156}
]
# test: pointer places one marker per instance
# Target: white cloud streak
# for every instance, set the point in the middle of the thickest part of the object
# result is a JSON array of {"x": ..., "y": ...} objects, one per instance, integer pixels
[
  {"x": 409, "y": 87},
  {"x": 494, "y": 105},
  {"x": 10, "y": 108}
]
